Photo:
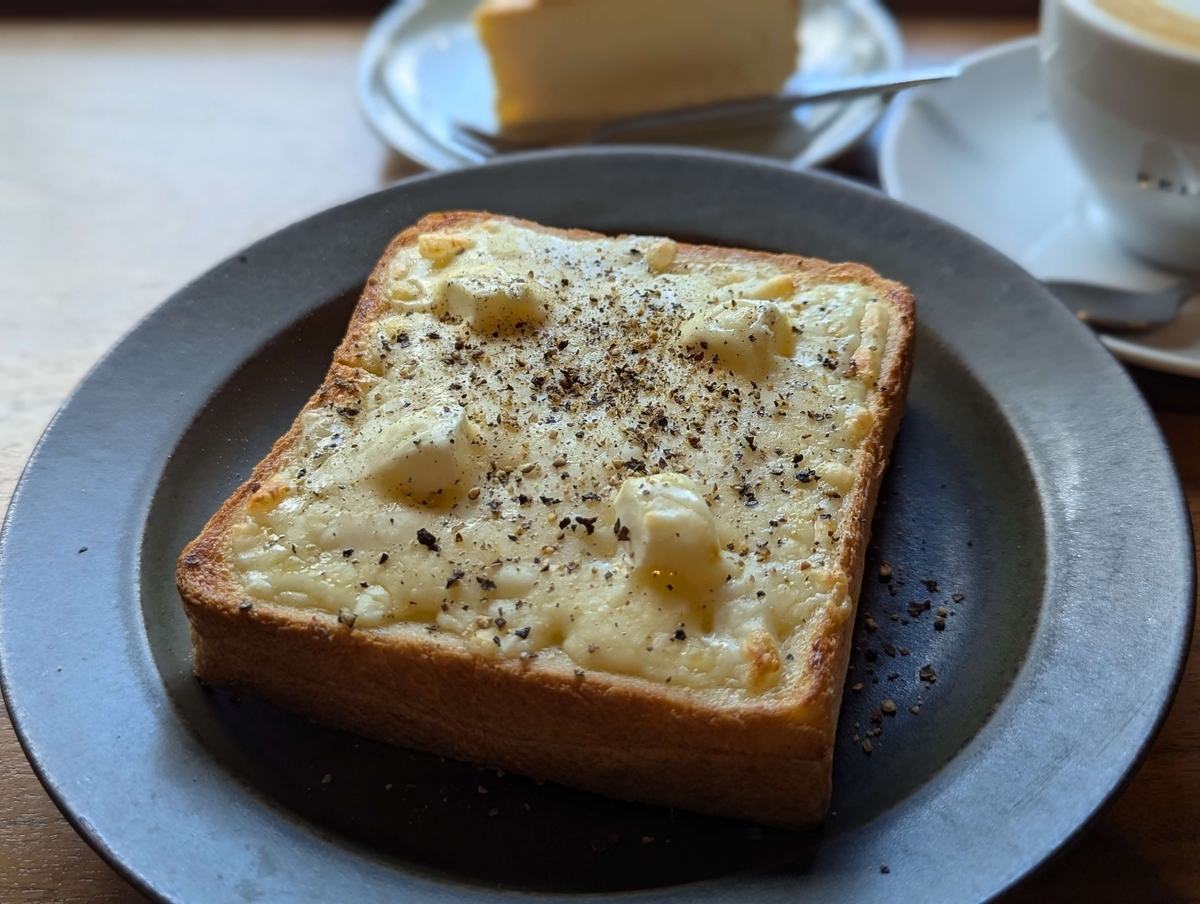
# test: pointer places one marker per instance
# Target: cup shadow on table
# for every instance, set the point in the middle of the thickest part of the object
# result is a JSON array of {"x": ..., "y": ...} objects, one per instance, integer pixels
[{"x": 1167, "y": 393}]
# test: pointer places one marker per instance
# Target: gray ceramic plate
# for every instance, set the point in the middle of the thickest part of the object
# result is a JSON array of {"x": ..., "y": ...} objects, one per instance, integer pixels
[
  {"x": 422, "y": 68},
  {"x": 1028, "y": 477}
]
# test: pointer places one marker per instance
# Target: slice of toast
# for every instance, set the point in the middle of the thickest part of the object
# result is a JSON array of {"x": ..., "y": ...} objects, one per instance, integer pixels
[{"x": 589, "y": 509}]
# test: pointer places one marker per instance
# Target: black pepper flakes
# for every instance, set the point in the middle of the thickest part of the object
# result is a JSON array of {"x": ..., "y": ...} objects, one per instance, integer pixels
[
  {"x": 916, "y": 608},
  {"x": 383, "y": 558},
  {"x": 426, "y": 539},
  {"x": 588, "y": 523},
  {"x": 522, "y": 633},
  {"x": 486, "y": 583},
  {"x": 455, "y": 576}
]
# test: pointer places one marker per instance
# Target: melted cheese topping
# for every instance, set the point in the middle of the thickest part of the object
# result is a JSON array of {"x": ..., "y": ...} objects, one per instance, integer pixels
[{"x": 614, "y": 450}]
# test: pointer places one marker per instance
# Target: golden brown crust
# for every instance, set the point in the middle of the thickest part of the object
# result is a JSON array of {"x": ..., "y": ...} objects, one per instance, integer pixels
[{"x": 764, "y": 759}]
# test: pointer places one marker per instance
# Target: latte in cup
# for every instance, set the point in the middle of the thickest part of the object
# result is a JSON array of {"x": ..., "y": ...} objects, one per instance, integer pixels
[
  {"x": 1123, "y": 78},
  {"x": 1173, "y": 22}
]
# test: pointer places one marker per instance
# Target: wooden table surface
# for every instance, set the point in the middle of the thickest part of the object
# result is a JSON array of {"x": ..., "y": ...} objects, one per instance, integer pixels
[{"x": 133, "y": 157}]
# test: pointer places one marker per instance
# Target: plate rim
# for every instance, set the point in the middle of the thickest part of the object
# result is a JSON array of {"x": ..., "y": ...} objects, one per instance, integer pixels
[
  {"x": 24, "y": 723},
  {"x": 396, "y": 131},
  {"x": 898, "y": 120}
]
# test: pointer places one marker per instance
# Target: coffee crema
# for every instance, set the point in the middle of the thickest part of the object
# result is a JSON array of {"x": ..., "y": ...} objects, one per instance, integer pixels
[{"x": 1173, "y": 22}]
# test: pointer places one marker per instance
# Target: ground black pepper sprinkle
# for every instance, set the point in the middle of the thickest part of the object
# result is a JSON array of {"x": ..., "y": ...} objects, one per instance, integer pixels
[
  {"x": 570, "y": 402},
  {"x": 915, "y": 608}
]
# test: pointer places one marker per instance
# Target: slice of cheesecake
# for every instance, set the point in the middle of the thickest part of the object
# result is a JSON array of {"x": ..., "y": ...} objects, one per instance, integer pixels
[{"x": 561, "y": 61}]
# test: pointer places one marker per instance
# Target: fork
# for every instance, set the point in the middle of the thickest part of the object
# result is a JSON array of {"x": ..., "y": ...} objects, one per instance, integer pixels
[{"x": 844, "y": 88}]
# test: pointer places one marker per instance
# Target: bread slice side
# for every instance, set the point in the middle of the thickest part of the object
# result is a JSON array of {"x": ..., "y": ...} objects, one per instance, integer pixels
[{"x": 765, "y": 757}]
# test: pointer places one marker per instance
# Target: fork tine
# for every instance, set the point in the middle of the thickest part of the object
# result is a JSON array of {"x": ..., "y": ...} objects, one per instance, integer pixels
[
  {"x": 488, "y": 143},
  {"x": 473, "y": 139}
]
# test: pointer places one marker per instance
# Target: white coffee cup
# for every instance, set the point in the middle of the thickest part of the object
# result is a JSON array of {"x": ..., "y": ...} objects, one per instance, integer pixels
[{"x": 1123, "y": 77}]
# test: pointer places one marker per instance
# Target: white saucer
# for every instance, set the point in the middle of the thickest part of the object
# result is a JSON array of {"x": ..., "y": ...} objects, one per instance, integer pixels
[
  {"x": 984, "y": 153},
  {"x": 422, "y": 67}
]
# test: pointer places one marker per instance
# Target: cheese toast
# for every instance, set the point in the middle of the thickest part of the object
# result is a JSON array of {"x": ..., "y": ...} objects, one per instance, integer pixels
[{"x": 584, "y": 508}]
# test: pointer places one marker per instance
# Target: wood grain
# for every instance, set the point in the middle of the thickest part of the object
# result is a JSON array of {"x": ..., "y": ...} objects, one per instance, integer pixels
[{"x": 132, "y": 157}]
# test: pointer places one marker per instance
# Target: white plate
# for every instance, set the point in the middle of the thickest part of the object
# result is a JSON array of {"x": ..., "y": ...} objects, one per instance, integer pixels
[
  {"x": 984, "y": 153},
  {"x": 422, "y": 67}
]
